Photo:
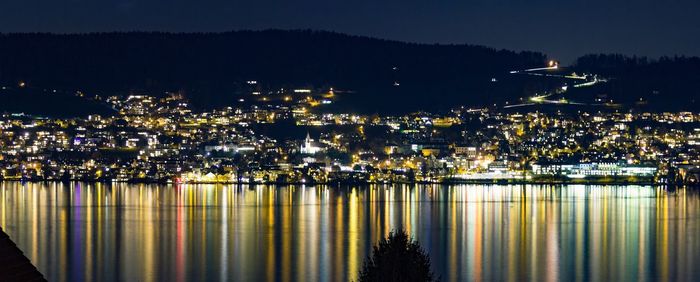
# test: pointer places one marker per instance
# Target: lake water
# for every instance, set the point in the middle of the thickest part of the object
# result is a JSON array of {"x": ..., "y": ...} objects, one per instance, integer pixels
[{"x": 124, "y": 232}]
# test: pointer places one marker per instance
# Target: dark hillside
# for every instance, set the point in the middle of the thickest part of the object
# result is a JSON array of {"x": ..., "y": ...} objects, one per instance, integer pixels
[
  {"x": 212, "y": 68},
  {"x": 661, "y": 84}
]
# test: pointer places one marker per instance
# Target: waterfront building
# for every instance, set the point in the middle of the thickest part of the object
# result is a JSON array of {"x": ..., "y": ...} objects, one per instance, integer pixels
[{"x": 583, "y": 170}]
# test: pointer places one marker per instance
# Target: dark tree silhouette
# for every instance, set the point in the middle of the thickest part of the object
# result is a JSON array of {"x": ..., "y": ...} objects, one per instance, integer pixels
[{"x": 397, "y": 258}]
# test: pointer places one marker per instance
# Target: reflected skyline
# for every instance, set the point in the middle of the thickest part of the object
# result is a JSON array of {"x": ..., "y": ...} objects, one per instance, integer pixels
[{"x": 116, "y": 232}]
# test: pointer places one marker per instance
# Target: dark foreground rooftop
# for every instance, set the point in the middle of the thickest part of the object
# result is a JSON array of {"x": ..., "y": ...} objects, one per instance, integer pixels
[{"x": 14, "y": 266}]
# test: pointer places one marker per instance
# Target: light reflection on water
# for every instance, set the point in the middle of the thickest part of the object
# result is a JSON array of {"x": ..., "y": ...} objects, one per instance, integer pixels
[{"x": 472, "y": 232}]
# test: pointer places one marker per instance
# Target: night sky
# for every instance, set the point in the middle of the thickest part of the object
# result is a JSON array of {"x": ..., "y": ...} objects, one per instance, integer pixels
[{"x": 562, "y": 29}]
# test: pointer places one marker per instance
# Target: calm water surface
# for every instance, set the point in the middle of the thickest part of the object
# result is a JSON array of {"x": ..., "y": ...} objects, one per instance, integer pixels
[{"x": 79, "y": 231}]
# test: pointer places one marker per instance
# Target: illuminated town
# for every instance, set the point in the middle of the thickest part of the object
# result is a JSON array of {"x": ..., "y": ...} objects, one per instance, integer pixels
[{"x": 162, "y": 140}]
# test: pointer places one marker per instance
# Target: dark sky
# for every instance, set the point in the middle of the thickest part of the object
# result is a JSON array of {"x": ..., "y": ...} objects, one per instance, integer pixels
[{"x": 560, "y": 28}]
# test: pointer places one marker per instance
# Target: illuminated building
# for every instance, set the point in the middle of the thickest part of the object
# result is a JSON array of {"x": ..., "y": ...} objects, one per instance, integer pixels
[{"x": 309, "y": 146}]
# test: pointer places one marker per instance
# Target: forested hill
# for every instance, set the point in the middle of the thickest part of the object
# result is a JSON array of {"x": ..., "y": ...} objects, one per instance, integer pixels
[
  {"x": 666, "y": 83},
  {"x": 212, "y": 67},
  {"x": 376, "y": 75}
]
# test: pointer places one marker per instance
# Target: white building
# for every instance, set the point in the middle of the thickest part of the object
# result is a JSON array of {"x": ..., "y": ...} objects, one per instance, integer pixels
[
  {"x": 309, "y": 146},
  {"x": 583, "y": 170}
]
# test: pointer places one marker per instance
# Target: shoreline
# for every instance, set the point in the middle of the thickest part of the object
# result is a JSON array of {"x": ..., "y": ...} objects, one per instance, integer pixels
[{"x": 343, "y": 183}]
